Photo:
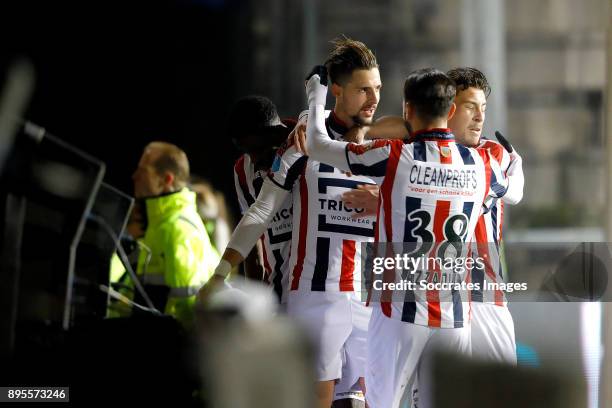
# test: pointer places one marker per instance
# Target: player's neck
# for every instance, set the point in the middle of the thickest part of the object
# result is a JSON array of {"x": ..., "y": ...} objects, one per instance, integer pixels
[
  {"x": 345, "y": 118},
  {"x": 418, "y": 125}
]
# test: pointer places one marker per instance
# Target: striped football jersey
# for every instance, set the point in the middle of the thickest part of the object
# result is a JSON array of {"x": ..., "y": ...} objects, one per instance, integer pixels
[
  {"x": 326, "y": 250},
  {"x": 431, "y": 196},
  {"x": 488, "y": 238},
  {"x": 276, "y": 241}
]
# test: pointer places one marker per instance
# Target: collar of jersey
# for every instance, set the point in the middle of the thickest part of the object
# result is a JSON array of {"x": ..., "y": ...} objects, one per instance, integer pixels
[
  {"x": 433, "y": 134},
  {"x": 335, "y": 126}
]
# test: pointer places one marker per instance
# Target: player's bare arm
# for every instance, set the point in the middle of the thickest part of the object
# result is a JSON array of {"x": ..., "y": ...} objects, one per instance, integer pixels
[
  {"x": 252, "y": 225},
  {"x": 388, "y": 127},
  {"x": 253, "y": 264}
]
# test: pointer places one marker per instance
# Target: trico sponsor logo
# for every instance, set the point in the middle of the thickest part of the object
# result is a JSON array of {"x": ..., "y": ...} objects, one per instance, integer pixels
[
  {"x": 337, "y": 205},
  {"x": 283, "y": 214}
]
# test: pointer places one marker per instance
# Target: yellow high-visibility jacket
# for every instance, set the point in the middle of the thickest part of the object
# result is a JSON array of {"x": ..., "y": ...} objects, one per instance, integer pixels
[{"x": 181, "y": 254}]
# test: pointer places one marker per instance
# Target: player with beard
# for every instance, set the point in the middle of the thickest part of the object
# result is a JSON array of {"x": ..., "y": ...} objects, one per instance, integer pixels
[
  {"x": 492, "y": 327},
  {"x": 404, "y": 332},
  {"x": 325, "y": 254}
]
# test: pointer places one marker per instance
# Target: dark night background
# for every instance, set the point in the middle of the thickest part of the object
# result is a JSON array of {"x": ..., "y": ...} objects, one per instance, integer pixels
[{"x": 114, "y": 75}]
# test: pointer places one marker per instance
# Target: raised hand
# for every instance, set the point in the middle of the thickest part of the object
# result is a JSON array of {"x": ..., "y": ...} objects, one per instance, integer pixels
[
  {"x": 316, "y": 86},
  {"x": 504, "y": 142}
]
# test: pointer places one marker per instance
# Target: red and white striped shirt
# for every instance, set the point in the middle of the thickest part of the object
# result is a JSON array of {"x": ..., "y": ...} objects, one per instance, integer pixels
[
  {"x": 326, "y": 250},
  {"x": 431, "y": 196},
  {"x": 276, "y": 241},
  {"x": 488, "y": 238}
]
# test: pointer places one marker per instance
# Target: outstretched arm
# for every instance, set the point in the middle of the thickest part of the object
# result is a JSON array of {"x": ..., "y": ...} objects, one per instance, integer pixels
[
  {"x": 388, "y": 127},
  {"x": 319, "y": 145},
  {"x": 252, "y": 225}
]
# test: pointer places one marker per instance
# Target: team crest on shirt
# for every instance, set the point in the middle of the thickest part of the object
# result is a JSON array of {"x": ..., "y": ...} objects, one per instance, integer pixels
[
  {"x": 276, "y": 163},
  {"x": 445, "y": 151}
]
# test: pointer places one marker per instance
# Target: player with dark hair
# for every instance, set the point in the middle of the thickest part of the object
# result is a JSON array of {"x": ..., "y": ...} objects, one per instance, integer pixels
[
  {"x": 432, "y": 193},
  {"x": 255, "y": 128},
  {"x": 347, "y": 64},
  {"x": 469, "y": 77},
  {"x": 325, "y": 253},
  {"x": 492, "y": 327}
]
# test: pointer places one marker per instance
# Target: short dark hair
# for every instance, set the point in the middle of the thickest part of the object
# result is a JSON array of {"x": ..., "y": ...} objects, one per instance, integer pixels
[
  {"x": 430, "y": 91},
  {"x": 347, "y": 56},
  {"x": 468, "y": 77},
  {"x": 251, "y": 114}
]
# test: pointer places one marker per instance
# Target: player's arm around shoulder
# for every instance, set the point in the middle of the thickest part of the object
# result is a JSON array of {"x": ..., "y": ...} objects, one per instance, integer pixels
[
  {"x": 288, "y": 164},
  {"x": 250, "y": 228},
  {"x": 388, "y": 127}
]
